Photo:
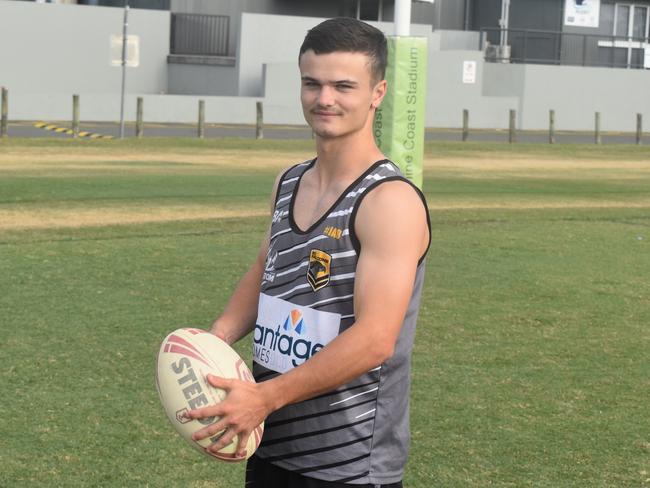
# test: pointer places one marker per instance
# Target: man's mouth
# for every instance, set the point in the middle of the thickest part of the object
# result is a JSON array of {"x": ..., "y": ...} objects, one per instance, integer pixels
[{"x": 325, "y": 113}]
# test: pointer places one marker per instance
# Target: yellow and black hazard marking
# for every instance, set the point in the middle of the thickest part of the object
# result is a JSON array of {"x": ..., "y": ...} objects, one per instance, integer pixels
[{"x": 65, "y": 130}]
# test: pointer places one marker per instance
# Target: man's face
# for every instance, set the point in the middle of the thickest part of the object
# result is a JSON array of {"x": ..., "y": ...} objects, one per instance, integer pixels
[{"x": 338, "y": 93}]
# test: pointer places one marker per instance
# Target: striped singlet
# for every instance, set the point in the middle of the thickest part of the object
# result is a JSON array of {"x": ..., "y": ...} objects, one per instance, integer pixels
[{"x": 359, "y": 433}]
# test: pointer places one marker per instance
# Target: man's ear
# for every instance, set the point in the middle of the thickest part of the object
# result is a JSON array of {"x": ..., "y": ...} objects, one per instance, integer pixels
[{"x": 378, "y": 93}]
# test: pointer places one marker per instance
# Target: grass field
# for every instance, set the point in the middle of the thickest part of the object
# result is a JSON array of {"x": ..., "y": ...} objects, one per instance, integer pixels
[{"x": 531, "y": 364}]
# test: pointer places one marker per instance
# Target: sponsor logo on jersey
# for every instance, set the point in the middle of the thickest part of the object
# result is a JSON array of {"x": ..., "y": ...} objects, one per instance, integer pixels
[
  {"x": 318, "y": 272},
  {"x": 285, "y": 335},
  {"x": 295, "y": 321},
  {"x": 269, "y": 267},
  {"x": 333, "y": 232}
]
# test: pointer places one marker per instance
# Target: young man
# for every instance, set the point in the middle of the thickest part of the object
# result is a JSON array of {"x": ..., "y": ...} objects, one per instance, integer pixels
[{"x": 333, "y": 296}]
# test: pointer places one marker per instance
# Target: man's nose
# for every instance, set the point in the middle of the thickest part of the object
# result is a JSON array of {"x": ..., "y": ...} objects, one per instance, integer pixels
[{"x": 326, "y": 96}]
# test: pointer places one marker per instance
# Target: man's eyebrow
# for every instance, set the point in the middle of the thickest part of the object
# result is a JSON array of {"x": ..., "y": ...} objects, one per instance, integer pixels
[
  {"x": 335, "y": 82},
  {"x": 347, "y": 82}
]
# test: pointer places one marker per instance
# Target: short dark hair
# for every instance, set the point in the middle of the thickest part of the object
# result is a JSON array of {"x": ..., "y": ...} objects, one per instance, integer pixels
[{"x": 345, "y": 34}]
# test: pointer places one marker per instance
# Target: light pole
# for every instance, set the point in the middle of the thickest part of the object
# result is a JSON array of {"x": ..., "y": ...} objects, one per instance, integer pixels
[
  {"x": 124, "y": 37},
  {"x": 402, "y": 18}
]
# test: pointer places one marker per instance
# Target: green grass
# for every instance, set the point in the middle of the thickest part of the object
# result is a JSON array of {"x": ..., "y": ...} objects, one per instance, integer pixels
[{"x": 531, "y": 360}]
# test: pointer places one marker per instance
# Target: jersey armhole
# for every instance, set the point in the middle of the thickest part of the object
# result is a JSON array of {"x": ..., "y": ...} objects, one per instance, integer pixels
[{"x": 353, "y": 236}]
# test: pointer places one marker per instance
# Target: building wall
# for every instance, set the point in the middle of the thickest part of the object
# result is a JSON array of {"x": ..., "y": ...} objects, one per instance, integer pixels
[
  {"x": 276, "y": 39},
  {"x": 56, "y": 48},
  {"x": 448, "y": 96},
  {"x": 202, "y": 79},
  {"x": 576, "y": 93},
  {"x": 268, "y": 67},
  {"x": 485, "y": 13},
  {"x": 450, "y": 14},
  {"x": 570, "y": 47},
  {"x": 420, "y": 13}
]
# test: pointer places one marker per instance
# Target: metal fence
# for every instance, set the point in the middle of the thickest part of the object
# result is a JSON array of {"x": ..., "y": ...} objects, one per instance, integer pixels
[
  {"x": 550, "y": 47},
  {"x": 197, "y": 34}
]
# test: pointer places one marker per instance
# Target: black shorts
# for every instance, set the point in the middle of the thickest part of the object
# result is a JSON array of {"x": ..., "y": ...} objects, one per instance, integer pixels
[{"x": 260, "y": 474}]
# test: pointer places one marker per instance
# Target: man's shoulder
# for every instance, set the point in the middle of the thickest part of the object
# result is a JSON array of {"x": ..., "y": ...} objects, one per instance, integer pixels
[
  {"x": 391, "y": 185},
  {"x": 395, "y": 191}
]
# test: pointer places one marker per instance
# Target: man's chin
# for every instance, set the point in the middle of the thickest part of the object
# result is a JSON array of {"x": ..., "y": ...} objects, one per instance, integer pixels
[{"x": 325, "y": 133}]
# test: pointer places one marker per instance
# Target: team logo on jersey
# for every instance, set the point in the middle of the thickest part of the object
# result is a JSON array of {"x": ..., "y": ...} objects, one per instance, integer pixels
[{"x": 318, "y": 273}]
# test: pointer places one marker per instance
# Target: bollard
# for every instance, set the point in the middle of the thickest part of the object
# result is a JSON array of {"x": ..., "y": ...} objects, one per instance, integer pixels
[
  {"x": 259, "y": 133},
  {"x": 139, "y": 130},
  {"x": 201, "y": 127},
  {"x": 551, "y": 127},
  {"x": 639, "y": 129},
  {"x": 512, "y": 134},
  {"x": 465, "y": 124},
  {"x": 4, "y": 111},
  {"x": 75, "y": 116},
  {"x": 597, "y": 137}
]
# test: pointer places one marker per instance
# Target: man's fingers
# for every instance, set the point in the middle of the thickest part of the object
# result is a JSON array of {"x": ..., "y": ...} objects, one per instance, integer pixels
[
  {"x": 219, "y": 382},
  {"x": 225, "y": 439},
  {"x": 210, "y": 430},
  {"x": 241, "y": 446},
  {"x": 205, "y": 412}
]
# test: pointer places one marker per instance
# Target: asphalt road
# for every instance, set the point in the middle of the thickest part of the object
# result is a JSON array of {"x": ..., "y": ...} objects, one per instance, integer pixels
[{"x": 28, "y": 129}]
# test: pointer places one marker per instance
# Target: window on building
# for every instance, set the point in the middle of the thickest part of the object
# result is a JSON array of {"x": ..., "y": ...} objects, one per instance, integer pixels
[{"x": 631, "y": 23}]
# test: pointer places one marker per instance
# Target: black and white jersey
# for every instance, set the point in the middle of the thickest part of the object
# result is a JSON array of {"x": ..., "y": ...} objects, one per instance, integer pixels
[{"x": 358, "y": 433}]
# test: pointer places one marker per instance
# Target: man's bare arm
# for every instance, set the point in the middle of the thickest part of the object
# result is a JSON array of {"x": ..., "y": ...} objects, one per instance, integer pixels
[
  {"x": 239, "y": 315},
  {"x": 392, "y": 228}
]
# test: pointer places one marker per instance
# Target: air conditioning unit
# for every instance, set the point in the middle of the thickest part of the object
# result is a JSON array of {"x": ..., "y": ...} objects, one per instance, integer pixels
[{"x": 497, "y": 54}]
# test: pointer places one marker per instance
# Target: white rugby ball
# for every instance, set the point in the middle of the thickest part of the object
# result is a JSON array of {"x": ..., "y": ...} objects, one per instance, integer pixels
[{"x": 185, "y": 358}]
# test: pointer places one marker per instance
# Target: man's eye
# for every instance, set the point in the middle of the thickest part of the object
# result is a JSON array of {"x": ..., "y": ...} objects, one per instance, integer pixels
[{"x": 344, "y": 87}]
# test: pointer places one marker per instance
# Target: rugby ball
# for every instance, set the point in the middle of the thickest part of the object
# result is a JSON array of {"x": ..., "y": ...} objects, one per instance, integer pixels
[{"x": 185, "y": 358}]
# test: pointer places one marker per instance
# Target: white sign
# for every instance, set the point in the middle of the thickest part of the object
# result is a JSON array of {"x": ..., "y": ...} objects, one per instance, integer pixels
[
  {"x": 469, "y": 72},
  {"x": 132, "y": 50},
  {"x": 582, "y": 13},
  {"x": 646, "y": 58}
]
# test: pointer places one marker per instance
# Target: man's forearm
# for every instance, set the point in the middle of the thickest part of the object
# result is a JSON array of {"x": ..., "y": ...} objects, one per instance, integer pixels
[
  {"x": 238, "y": 318},
  {"x": 345, "y": 358}
]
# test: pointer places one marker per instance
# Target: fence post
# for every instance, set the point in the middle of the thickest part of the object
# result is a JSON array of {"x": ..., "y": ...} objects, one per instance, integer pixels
[
  {"x": 551, "y": 126},
  {"x": 597, "y": 137},
  {"x": 139, "y": 129},
  {"x": 512, "y": 135},
  {"x": 5, "y": 111},
  {"x": 259, "y": 134},
  {"x": 201, "y": 128},
  {"x": 465, "y": 124},
  {"x": 639, "y": 129},
  {"x": 75, "y": 115}
]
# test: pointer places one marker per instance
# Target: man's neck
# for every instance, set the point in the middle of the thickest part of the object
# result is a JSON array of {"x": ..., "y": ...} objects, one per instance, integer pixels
[{"x": 345, "y": 158}]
